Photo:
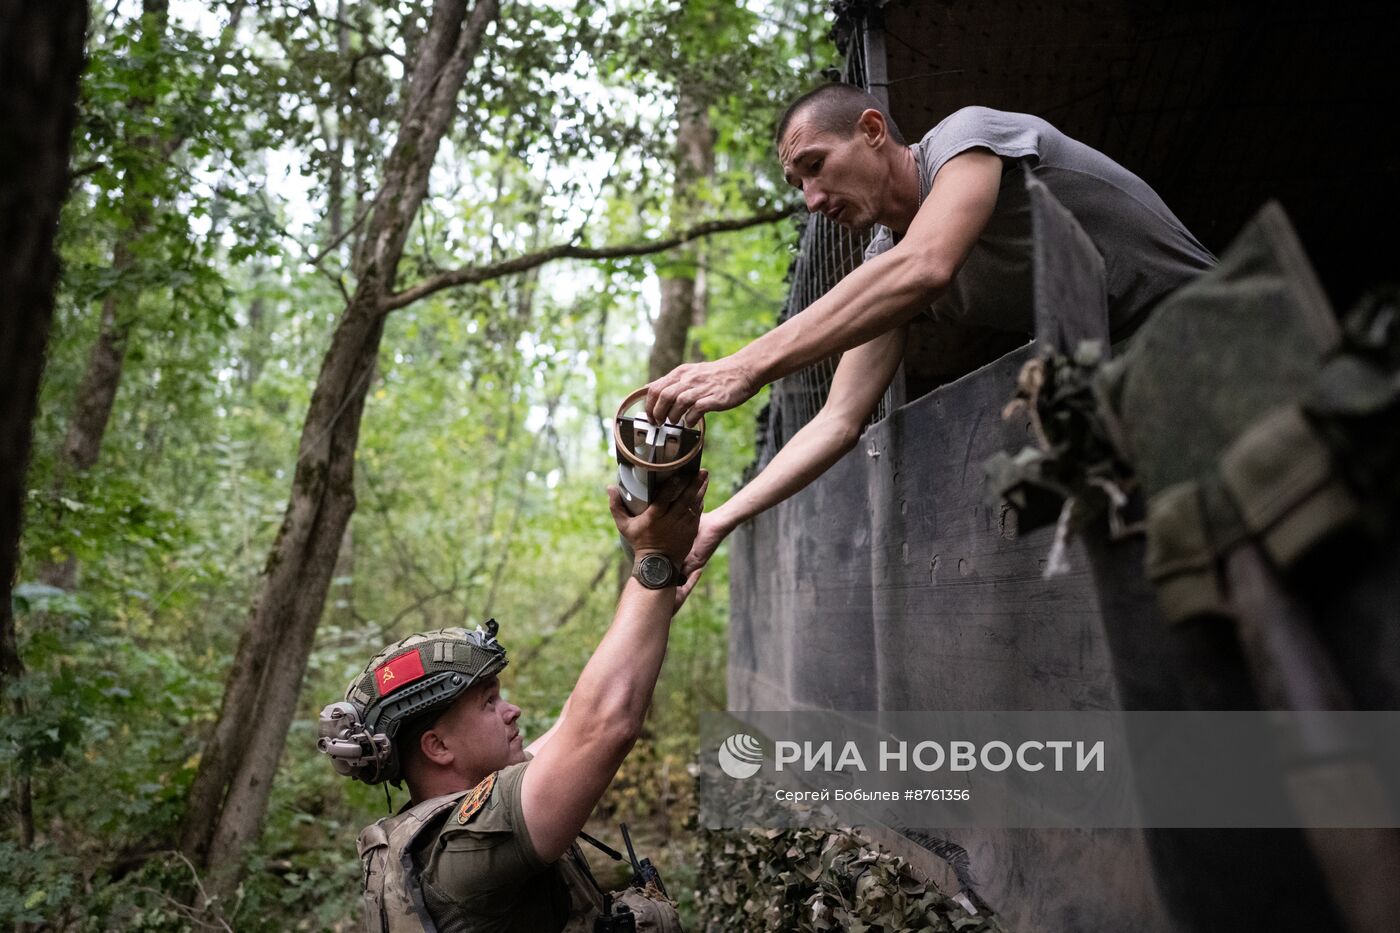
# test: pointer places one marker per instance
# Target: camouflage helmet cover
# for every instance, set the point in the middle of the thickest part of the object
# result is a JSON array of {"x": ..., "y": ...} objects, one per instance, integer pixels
[{"x": 421, "y": 674}]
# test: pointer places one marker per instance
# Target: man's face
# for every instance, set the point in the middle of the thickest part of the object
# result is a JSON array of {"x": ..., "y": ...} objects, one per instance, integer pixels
[
  {"x": 842, "y": 178},
  {"x": 482, "y": 730}
]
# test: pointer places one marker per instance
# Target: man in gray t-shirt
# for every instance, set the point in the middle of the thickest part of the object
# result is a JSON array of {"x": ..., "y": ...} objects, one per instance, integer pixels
[
  {"x": 953, "y": 237},
  {"x": 1146, "y": 250}
]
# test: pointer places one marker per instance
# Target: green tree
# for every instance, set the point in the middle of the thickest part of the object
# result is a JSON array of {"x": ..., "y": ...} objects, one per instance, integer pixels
[
  {"x": 420, "y": 337},
  {"x": 228, "y": 798},
  {"x": 40, "y": 60}
]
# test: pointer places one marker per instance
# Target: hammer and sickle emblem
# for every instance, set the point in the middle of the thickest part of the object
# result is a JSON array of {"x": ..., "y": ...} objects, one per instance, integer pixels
[{"x": 388, "y": 676}]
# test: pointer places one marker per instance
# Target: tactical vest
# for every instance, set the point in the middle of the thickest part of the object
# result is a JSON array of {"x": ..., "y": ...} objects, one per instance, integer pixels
[{"x": 392, "y": 899}]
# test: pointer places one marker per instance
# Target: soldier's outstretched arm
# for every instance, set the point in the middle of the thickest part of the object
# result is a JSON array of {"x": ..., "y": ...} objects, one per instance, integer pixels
[{"x": 565, "y": 780}]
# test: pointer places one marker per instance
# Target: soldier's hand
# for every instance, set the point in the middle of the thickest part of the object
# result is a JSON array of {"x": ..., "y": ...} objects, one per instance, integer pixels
[
  {"x": 668, "y": 525},
  {"x": 692, "y": 389}
]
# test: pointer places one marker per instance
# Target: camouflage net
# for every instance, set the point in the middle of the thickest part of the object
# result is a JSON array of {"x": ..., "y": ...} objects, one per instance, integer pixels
[{"x": 810, "y": 880}]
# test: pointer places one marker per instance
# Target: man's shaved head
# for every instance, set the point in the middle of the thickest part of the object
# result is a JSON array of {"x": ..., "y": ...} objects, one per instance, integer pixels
[{"x": 835, "y": 108}]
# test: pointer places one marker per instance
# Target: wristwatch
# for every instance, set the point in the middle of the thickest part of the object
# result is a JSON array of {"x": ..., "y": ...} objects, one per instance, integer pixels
[{"x": 655, "y": 571}]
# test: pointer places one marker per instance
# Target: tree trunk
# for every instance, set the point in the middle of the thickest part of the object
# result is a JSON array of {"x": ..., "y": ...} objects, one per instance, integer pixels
[
  {"x": 228, "y": 799},
  {"x": 252, "y": 355},
  {"x": 343, "y": 595},
  {"x": 682, "y": 294},
  {"x": 97, "y": 392},
  {"x": 41, "y": 57}
]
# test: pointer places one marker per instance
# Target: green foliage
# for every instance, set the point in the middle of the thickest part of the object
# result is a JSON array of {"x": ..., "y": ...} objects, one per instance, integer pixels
[
  {"x": 219, "y": 163},
  {"x": 39, "y": 883},
  {"x": 106, "y": 706}
]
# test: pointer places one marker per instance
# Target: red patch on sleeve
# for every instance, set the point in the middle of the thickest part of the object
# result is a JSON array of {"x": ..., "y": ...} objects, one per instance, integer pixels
[{"x": 398, "y": 672}]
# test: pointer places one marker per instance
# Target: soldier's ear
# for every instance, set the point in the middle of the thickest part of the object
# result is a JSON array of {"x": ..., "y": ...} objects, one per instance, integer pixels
[{"x": 433, "y": 748}]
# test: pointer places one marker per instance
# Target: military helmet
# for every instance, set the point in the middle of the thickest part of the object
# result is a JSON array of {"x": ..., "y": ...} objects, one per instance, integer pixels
[{"x": 421, "y": 674}]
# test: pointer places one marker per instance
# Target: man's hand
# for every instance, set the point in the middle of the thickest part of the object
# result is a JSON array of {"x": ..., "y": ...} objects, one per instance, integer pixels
[
  {"x": 707, "y": 540},
  {"x": 692, "y": 389},
  {"x": 668, "y": 525},
  {"x": 683, "y": 591}
]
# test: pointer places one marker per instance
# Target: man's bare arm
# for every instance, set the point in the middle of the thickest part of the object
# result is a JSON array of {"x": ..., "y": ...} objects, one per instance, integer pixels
[
  {"x": 875, "y": 297},
  {"x": 861, "y": 379},
  {"x": 606, "y": 710}
]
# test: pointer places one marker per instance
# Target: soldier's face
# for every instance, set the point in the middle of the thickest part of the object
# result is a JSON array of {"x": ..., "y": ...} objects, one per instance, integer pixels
[
  {"x": 483, "y": 729},
  {"x": 840, "y": 178}
]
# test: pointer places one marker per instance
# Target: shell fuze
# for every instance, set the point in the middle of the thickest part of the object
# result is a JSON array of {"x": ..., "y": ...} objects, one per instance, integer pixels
[{"x": 649, "y": 454}]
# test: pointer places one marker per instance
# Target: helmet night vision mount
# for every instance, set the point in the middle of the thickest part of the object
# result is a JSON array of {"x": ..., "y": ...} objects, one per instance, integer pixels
[{"x": 649, "y": 454}]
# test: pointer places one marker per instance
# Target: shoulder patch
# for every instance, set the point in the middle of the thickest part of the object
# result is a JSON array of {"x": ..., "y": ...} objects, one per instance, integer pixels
[{"x": 476, "y": 798}]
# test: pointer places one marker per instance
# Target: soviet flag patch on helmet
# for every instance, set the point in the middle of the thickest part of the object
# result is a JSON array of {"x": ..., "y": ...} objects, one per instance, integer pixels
[{"x": 398, "y": 672}]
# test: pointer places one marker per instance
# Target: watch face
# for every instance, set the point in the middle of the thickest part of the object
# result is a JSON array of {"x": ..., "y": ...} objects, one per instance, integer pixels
[{"x": 655, "y": 571}]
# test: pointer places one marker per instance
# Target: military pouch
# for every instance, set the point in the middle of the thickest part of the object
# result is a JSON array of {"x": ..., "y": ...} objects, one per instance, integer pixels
[
  {"x": 373, "y": 846},
  {"x": 644, "y": 906},
  {"x": 618, "y": 919},
  {"x": 1220, "y": 353},
  {"x": 652, "y": 911},
  {"x": 1207, "y": 400},
  {"x": 1278, "y": 484},
  {"x": 1181, "y": 561},
  {"x": 392, "y": 901},
  {"x": 1285, "y": 486}
]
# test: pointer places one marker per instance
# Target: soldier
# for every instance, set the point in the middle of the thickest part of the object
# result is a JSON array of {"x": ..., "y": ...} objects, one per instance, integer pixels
[
  {"x": 953, "y": 239},
  {"x": 487, "y": 841}
]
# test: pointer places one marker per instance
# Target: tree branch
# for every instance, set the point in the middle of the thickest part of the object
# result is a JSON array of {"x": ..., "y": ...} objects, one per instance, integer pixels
[
  {"x": 471, "y": 275},
  {"x": 386, "y": 629},
  {"x": 329, "y": 247},
  {"x": 88, "y": 169},
  {"x": 529, "y": 652}
]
